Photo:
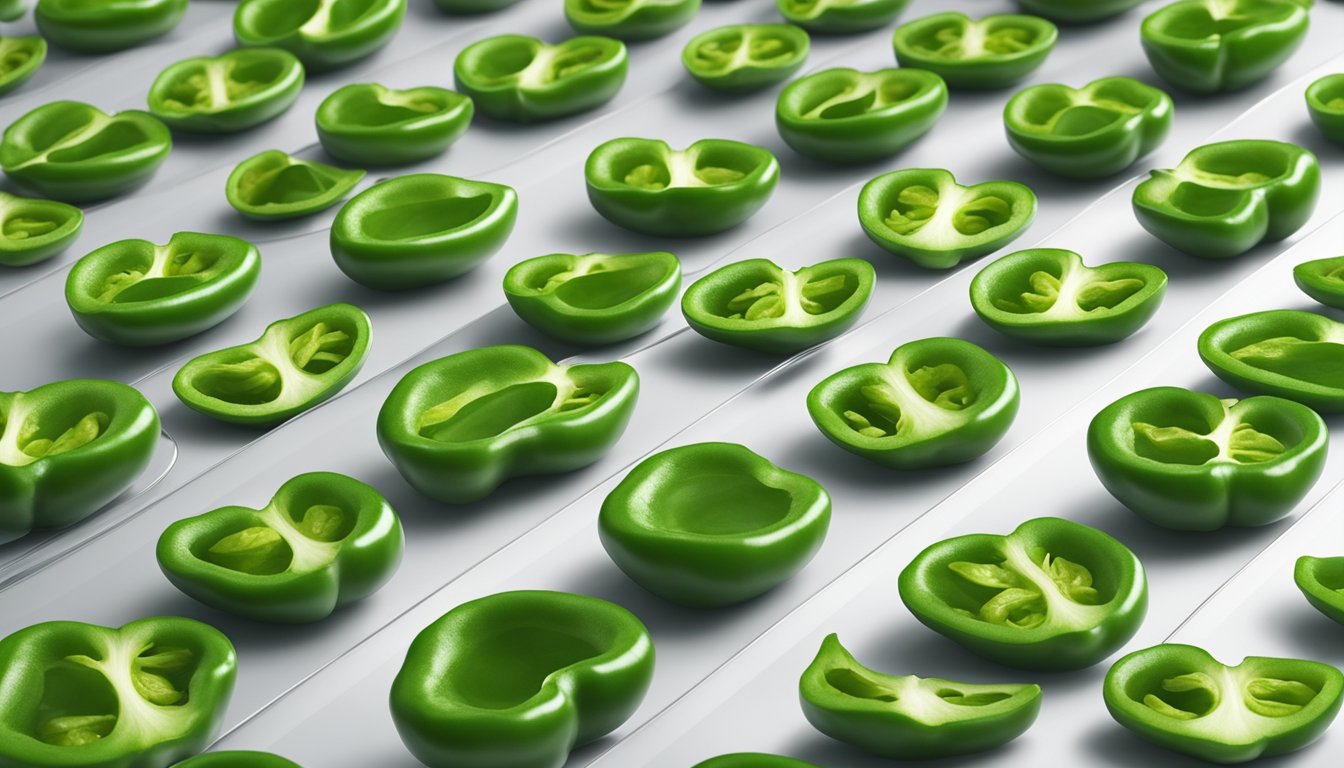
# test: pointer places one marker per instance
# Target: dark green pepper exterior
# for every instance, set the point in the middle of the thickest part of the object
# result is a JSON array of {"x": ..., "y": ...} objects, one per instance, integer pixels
[
  {"x": 324, "y": 34},
  {"x": 33, "y": 230},
  {"x": 1322, "y": 280},
  {"x": 13, "y": 10},
  {"x": 843, "y": 115},
  {"x": 273, "y": 185},
  {"x": 1325, "y": 104},
  {"x": 753, "y": 760},
  {"x": 1077, "y": 11},
  {"x": 1321, "y": 580},
  {"x": 108, "y": 25},
  {"x": 521, "y": 79},
  {"x": 237, "y": 759},
  {"x": 1208, "y": 46},
  {"x": 233, "y": 92},
  {"x": 1284, "y": 352},
  {"x": 20, "y": 58},
  {"x": 840, "y": 17},
  {"x": 987, "y": 53},
  {"x": 367, "y": 124},
  {"x": 471, "y": 7},
  {"x": 745, "y": 57},
  {"x": 629, "y": 20}
]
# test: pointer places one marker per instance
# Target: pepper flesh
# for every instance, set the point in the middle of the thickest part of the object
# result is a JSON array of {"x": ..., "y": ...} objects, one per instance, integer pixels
[
  {"x": 20, "y": 58},
  {"x": 1322, "y": 280},
  {"x": 233, "y": 92},
  {"x": 324, "y": 34},
  {"x": 237, "y": 759},
  {"x": 1078, "y": 11},
  {"x": 369, "y": 124},
  {"x": 1288, "y": 353},
  {"x": 34, "y": 230},
  {"x": 1321, "y": 580},
  {"x": 629, "y": 20},
  {"x": 840, "y": 17},
  {"x": 1325, "y": 104},
  {"x": 273, "y": 185},
  {"x": 523, "y": 79},
  {"x": 991, "y": 52},
  {"x": 753, "y": 760},
  {"x": 108, "y": 25},
  {"x": 745, "y": 57},
  {"x": 1207, "y": 46}
]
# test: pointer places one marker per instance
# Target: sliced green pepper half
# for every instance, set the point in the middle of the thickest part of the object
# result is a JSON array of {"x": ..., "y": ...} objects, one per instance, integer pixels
[
  {"x": 368, "y": 124},
  {"x": 843, "y": 115},
  {"x": 1321, "y": 580},
  {"x": 753, "y": 760},
  {"x": 1322, "y": 280},
  {"x": 469, "y": 7},
  {"x": 522, "y": 79},
  {"x": 107, "y": 25},
  {"x": 324, "y": 34},
  {"x": 1325, "y": 104},
  {"x": 745, "y": 57},
  {"x": 233, "y": 92},
  {"x": 33, "y": 230},
  {"x": 237, "y": 759},
  {"x": 12, "y": 10},
  {"x": 273, "y": 185},
  {"x": 1078, "y": 11},
  {"x": 20, "y": 58},
  {"x": 991, "y": 52},
  {"x": 1207, "y": 46},
  {"x": 629, "y": 20},
  {"x": 840, "y": 17},
  {"x": 1285, "y": 352}
]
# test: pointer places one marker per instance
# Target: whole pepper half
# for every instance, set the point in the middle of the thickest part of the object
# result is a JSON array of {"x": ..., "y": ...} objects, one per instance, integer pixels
[
  {"x": 1077, "y": 11},
  {"x": 1325, "y": 104},
  {"x": 233, "y": 92},
  {"x": 237, "y": 759},
  {"x": 522, "y": 79},
  {"x": 991, "y": 52},
  {"x": 1207, "y": 46},
  {"x": 33, "y": 230},
  {"x": 1321, "y": 580},
  {"x": 753, "y": 760},
  {"x": 630, "y": 20},
  {"x": 324, "y": 34},
  {"x": 1322, "y": 280},
  {"x": 1289, "y": 353},
  {"x": 368, "y": 124},
  {"x": 843, "y": 115},
  {"x": 273, "y": 185},
  {"x": 745, "y": 57},
  {"x": 840, "y": 17},
  {"x": 108, "y": 25},
  {"x": 20, "y": 58}
]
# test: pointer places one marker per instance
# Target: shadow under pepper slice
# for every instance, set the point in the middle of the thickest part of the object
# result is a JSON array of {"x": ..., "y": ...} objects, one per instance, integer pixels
[
  {"x": 712, "y": 524},
  {"x": 1180, "y": 697},
  {"x": 1052, "y": 595},
  {"x": 523, "y": 79},
  {"x": 745, "y": 57},
  {"x": 33, "y": 230},
  {"x": 630, "y": 20},
  {"x": 67, "y": 449},
  {"x": 20, "y": 58},
  {"x": 273, "y": 185},
  {"x": 753, "y": 760},
  {"x": 1321, "y": 580},
  {"x": 1078, "y": 11},
  {"x": 458, "y": 427},
  {"x": 1325, "y": 104},
  {"x": 141, "y": 696},
  {"x": 991, "y": 52},
  {"x": 1192, "y": 462},
  {"x": 237, "y": 759},
  {"x": 520, "y": 679},
  {"x": 106, "y": 26},
  {"x": 368, "y": 124},
  {"x": 839, "y": 17},
  {"x": 324, "y": 541},
  {"x": 1322, "y": 280},
  {"x": 1226, "y": 198},
  {"x": 937, "y": 402},
  {"x": 909, "y": 717},
  {"x": 759, "y": 305},
  {"x": 1207, "y": 46},
  {"x": 1293, "y": 354},
  {"x": 139, "y": 294},
  {"x": 596, "y": 298},
  {"x": 324, "y": 34},
  {"x": 233, "y": 92},
  {"x": 297, "y": 363},
  {"x": 77, "y": 153}
]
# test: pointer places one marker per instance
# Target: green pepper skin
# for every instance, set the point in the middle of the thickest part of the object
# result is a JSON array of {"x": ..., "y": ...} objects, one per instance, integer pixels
[
  {"x": 753, "y": 760},
  {"x": 321, "y": 34},
  {"x": 937, "y": 402},
  {"x": 1048, "y": 296},
  {"x": 52, "y": 473},
  {"x": 139, "y": 294},
  {"x": 1199, "y": 707},
  {"x": 295, "y": 364},
  {"x": 711, "y": 186},
  {"x": 367, "y": 124},
  {"x": 33, "y": 229},
  {"x": 1102, "y": 606},
  {"x": 472, "y": 7},
  {"x": 164, "y": 683},
  {"x": 1209, "y": 46},
  {"x": 1283, "y": 352},
  {"x": 1226, "y": 198},
  {"x": 1078, "y": 11},
  {"x": 573, "y": 76},
  {"x": 596, "y": 298},
  {"x": 1090, "y": 132},
  {"x": 99, "y": 170},
  {"x": 976, "y": 54},
  {"x": 422, "y": 229},
  {"x": 223, "y": 94},
  {"x": 836, "y": 115},
  {"x": 237, "y": 759},
  {"x": 108, "y": 25},
  {"x": 300, "y": 571},
  {"x": 1192, "y": 462},
  {"x": 840, "y": 17},
  {"x": 908, "y": 717},
  {"x": 273, "y": 185},
  {"x": 587, "y": 665},
  {"x": 456, "y": 428},
  {"x": 899, "y": 213},
  {"x": 1325, "y": 104},
  {"x": 756, "y": 304},
  {"x": 12, "y": 10},
  {"x": 712, "y": 524},
  {"x": 1321, "y": 580},
  {"x": 745, "y": 57},
  {"x": 20, "y": 58},
  {"x": 1322, "y": 280},
  {"x": 629, "y": 20}
]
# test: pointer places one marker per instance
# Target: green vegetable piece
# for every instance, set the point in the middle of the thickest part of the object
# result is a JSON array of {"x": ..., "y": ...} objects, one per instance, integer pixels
[
  {"x": 1226, "y": 198},
  {"x": 324, "y": 34},
  {"x": 745, "y": 57},
  {"x": 273, "y": 185},
  {"x": 843, "y": 115},
  {"x": 107, "y": 25},
  {"x": 1321, "y": 580},
  {"x": 1052, "y": 595},
  {"x": 1180, "y": 697},
  {"x": 522, "y": 79},
  {"x": 1208, "y": 46},
  {"x": 139, "y": 294},
  {"x": 20, "y": 58},
  {"x": 471, "y": 7},
  {"x": 711, "y": 186},
  {"x": 1077, "y": 11},
  {"x": 629, "y": 20},
  {"x": 596, "y": 298},
  {"x": 237, "y": 759},
  {"x": 1322, "y": 280},
  {"x": 12, "y": 10},
  {"x": 712, "y": 524},
  {"x": 1325, "y": 104},
  {"x": 297, "y": 363},
  {"x": 840, "y": 17},
  {"x": 1288, "y": 353},
  {"x": 34, "y": 230},
  {"x": 753, "y": 760},
  {"x": 368, "y": 124},
  {"x": 223, "y": 94},
  {"x": 987, "y": 53}
]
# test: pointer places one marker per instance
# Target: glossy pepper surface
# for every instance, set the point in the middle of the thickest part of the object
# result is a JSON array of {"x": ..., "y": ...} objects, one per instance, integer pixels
[
  {"x": 107, "y": 25},
  {"x": 324, "y": 34},
  {"x": 936, "y": 402},
  {"x": 759, "y": 305},
  {"x": 909, "y": 717},
  {"x": 144, "y": 695},
  {"x": 20, "y": 58},
  {"x": 1325, "y": 104},
  {"x": 1282, "y": 352},
  {"x": 646, "y": 186},
  {"x": 12, "y": 10},
  {"x": 559, "y": 671},
  {"x": 1226, "y": 198},
  {"x": 1207, "y": 46},
  {"x": 753, "y": 760},
  {"x": 469, "y": 7},
  {"x": 745, "y": 57},
  {"x": 368, "y": 124},
  {"x": 1321, "y": 580},
  {"x": 237, "y": 759},
  {"x": 595, "y": 298},
  {"x": 1089, "y": 132},
  {"x": 843, "y": 115},
  {"x": 324, "y": 541},
  {"x": 924, "y": 215},
  {"x": 273, "y": 185},
  {"x": 1322, "y": 280},
  {"x": 458, "y": 427},
  {"x": 139, "y": 294},
  {"x": 840, "y": 17},
  {"x": 991, "y": 52},
  {"x": 297, "y": 363},
  {"x": 629, "y": 19},
  {"x": 67, "y": 449},
  {"x": 1190, "y": 461},
  {"x": 1077, "y": 11},
  {"x": 233, "y": 92},
  {"x": 712, "y": 524},
  {"x": 33, "y": 230},
  {"x": 1051, "y": 595},
  {"x": 1182, "y": 698},
  {"x": 522, "y": 79}
]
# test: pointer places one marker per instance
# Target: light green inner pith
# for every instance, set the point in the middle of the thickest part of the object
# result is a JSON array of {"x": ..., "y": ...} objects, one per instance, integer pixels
[
  {"x": 288, "y": 184},
  {"x": 530, "y": 65},
  {"x": 1197, "y": 444},
  {"x": 770, "y": 300},
  {"x": 263, "y": 550},
  {"x": 836, "y": 98},
  {"x": 256, "y": 380},
  {"x": 504, "y": 669},
  {"x": 84, "y": 697},
  {"x": 171, "y": 270},
  {"x": 909, "y": 690},
  {"x": 754, "y": 47},
  {"x": 917, "y": 205},
  {"x": 475, "y": 415},
  {"x": 221, "y": 82},
  {"x": 37, "y": 439},
  {"x": 312, "y": 18},
  {"x": 877, "y": 411},
  {"x": 15, "y": 53},
  {"x": 1316, "y": 362},
  {"x": 598, "y": 284},
  {"x": 24, "y": 223},
  {"x": 1092, "y": 294},
  {"x": 974, "y": 39},
  {"x": 1199, "y": 22},
  {"x": 1198, "y": 694},
  {"x": 1023, "y": 599}
]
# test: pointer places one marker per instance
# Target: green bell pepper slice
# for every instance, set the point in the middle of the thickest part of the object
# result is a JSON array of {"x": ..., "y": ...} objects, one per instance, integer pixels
[
  {"x": 1052, "y": 595},
  {"x": 756, "y": 304},
  {"x": 139, "y": 294},
  {"x": 630, "y": 20},
  {"x": 75, "y": 152},
  {"x": 753, "y": 760},
  {"x": 20, "y": 58},
  {"x": 1226, "y": 198},
  {"x": 1180, "y": 697},
  {"x": 712, "y": 524},
  {"x": 238, "y": 90},
  {"x": 237, "y": 759},
  {"x": 144, "y": 695},
  {"x": 368, "y": 124},
  {"x": 456, "y": 428},
  {"x": 295, "y": 364},
  {"x": 107, "y": 25},
  {"x": 1090, "y": 132},
  {"x": 33, "y": 229},
  {"x": 596, "y": 298},
  {"x": 273, "y": 185},
  {"x": 924, "y": 215},
  {"x": 67, "y": 449},
  {"x": 1192, "y": 462},
  {"x": 1322, "y": 280},
  {"x": 1325, "y": 104},
  {"x": 521, "y": 79},
  {"x": 471, "y": 7},
  {"x": 1049, "y": 296},
  {"x": 1321, "y": 580},
  {"x": 745, "y": 57},
  {"x": 840, "y": 17},
  {"x": 1078, "y": 11},
  {"x": 842, "y": 115},
  {"x": 909, "y": 717},
  {"x": 1208, "y": 46},
  {"x": 711, "y": 186},
  {"x": 324, "y": 34},
  {"x": 12, "y": 10},
  {"x": 1283, "y": 352},
  {"x": 987, "y": 53},
  {"x": 936, "y": 402},
  {"x": 324, "y": 541},
  {"x": 422, "y": 229}
]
